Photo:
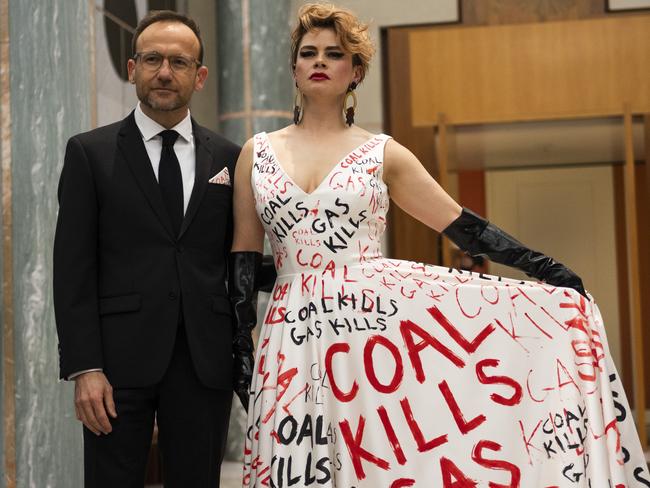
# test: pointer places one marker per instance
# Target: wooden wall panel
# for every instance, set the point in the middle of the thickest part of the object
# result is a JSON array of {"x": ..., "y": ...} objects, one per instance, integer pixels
[
  {"x": 530, "y": 71},
  {"x": 643, "y": 221},
  {"x": 643, "y": 206},
  {"x": 623, "y": 286},
  {"x": 407, "y": 238},
  {"x": 495, "y": 12},
  {"x": 643, "y": 203},
  {"x": 642, "y": 179},
  {"x": 646, "y": 182},
  {"x": 471, "y": 186}
]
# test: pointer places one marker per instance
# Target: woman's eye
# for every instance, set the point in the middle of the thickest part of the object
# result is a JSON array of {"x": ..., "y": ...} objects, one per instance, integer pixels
[
  {"x": 336, "y": 55},
  {"x": 306, "y": 54}
]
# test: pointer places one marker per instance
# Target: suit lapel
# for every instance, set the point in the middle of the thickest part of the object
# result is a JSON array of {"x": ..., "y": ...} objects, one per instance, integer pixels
[
  {"x": 201, "y": 175},
  {"x": 133, "y": 150}
]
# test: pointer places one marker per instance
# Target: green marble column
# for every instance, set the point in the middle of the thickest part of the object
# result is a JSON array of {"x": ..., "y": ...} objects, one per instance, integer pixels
[
  {"x": 255, "y": 88},
  {"x": 2, "y": 357},
  {"x": 3, "y": 111},
  {"x": 255, "y": 94},
  {"x": 5, "y": 195},
  {"x": 50, "y": 92}
]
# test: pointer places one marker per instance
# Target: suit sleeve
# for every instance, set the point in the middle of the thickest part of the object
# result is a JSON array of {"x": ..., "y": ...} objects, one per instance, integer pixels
[
  {"x": 234, "y": 154},
  {"x": 76, "y": 266}
]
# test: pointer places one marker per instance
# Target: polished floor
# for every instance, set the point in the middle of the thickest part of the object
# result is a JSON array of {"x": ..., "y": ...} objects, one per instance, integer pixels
[{"x": 230, "y": 476}]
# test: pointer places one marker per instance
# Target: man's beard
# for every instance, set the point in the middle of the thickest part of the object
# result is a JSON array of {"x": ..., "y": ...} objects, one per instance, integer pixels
[{"x": 163, "y": 106}]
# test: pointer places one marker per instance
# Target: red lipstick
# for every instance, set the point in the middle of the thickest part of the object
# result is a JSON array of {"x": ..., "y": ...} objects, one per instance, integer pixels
[{"x": 319, "y": 76}]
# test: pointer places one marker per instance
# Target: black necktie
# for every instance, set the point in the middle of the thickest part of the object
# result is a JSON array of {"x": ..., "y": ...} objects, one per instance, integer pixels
[{"x": 171, "y": 180}]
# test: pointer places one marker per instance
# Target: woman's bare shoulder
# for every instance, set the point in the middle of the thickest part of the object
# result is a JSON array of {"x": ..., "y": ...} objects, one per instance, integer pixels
[
  {"x": 280, "y": 135},
  {"x": 362, "y": 134}
]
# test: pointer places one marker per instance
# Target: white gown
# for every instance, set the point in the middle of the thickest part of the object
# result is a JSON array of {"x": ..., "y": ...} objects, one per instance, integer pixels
[{"x": 375, "y": 372}]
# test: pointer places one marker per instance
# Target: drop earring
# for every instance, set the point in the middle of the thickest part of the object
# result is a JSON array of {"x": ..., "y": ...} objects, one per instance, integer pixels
[
  {"x": 348, "y": 112},
  {"x": 297, "y": 106}
]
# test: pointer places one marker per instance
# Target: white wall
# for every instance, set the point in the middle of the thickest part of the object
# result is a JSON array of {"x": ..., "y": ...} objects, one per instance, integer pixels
[
  {"x": 204, "y": 103},
  {"x": 115, "y": 97},
  {"x": 567, "y": 213}
]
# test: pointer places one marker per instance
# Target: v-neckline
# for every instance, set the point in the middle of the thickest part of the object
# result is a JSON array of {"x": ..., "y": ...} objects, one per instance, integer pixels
[{"x": 327, "y": 176}]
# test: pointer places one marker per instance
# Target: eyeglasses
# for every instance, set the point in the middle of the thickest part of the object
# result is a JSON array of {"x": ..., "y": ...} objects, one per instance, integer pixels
[{"x": 153, "y": 61}]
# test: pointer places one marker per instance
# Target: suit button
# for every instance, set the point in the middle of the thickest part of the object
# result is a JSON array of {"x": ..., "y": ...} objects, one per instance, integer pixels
[
  {"x": 172, "y": 295},
  {"x": 179, "y": 248}
]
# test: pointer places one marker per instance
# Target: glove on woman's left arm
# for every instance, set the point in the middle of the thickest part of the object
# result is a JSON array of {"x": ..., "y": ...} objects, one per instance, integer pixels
[{"x": 477, "y": 236}]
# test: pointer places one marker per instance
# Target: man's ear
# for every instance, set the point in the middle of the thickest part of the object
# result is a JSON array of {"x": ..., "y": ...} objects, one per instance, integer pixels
[
  {"x": 130, "y": 66},
  {"x": 201, "y": 76}
]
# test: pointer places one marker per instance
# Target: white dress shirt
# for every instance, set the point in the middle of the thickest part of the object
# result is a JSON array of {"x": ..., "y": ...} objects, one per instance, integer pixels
[
  {"x": 183, "y": 147},
  {"x": 185, "y": 152}
]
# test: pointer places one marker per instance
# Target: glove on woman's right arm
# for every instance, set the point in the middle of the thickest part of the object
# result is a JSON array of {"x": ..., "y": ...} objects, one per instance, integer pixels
[{"x": 243, "y": 269}]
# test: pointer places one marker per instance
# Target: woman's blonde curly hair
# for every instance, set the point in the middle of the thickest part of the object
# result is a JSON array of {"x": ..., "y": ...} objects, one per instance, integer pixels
[{"x": 350, "y": 30}]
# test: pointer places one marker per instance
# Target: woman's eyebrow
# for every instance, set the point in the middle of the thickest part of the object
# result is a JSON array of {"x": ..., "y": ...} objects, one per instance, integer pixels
[{"x": 328, "y": 48}]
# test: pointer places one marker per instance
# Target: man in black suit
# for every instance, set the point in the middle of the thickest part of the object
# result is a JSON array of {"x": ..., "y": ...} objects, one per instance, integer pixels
[{"x": 140, "y": 255}]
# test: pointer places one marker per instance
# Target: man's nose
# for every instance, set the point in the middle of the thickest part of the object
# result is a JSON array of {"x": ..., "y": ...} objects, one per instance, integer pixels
[{"x": 165, "y": 70}]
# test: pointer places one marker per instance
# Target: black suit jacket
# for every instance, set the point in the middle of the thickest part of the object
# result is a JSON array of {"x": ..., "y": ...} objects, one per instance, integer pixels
[{"x": 121, "y": 277}]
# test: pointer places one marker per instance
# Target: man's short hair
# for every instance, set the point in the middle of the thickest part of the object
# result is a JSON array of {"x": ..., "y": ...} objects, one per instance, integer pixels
[{"x": 167, "y": 16}]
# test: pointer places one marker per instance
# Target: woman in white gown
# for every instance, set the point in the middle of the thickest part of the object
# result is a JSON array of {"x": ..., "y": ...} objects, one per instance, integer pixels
[{"x": 377, "y": 372}]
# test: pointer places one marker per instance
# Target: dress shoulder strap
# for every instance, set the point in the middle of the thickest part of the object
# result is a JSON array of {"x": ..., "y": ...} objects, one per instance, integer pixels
[{"x": 381, "y": 139}]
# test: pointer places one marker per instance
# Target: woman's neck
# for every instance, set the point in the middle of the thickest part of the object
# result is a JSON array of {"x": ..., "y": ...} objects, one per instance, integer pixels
[{"x": 322, "y": 116}]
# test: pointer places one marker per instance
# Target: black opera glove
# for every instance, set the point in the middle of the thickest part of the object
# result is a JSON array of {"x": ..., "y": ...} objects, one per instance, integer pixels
[
  {"x": 477, "y": 236},
  {"x": 243, "y": 270}
]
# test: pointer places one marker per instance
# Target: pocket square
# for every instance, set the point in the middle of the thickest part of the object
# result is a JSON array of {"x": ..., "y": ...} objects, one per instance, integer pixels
[{"x": 221, "y": 178}]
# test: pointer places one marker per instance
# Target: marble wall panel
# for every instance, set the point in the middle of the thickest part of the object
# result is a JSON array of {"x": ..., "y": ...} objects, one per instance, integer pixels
[
  {"x": 230, "y": 49},
  {"x": 204, "y": 102},
  {"x": 3, "y": 66},
  {"x": 4, "y": 145},
  {"x": 50, "y": 100},
  {"x": 271, "y": 82},
  {"x": 234, "y": 129},
  {"x": 268, "y": 124},
  {"x": 254, "y": 73}
]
